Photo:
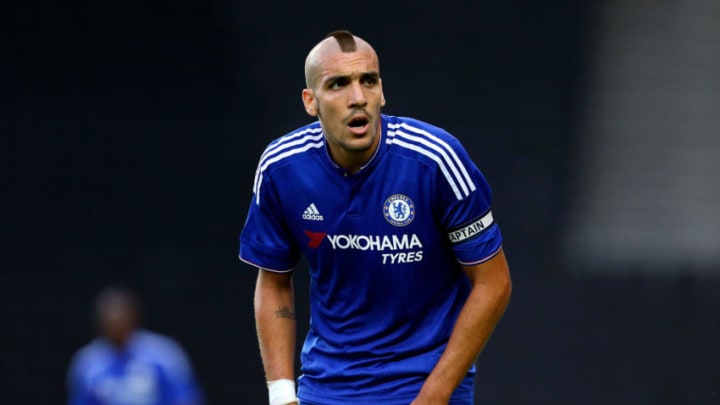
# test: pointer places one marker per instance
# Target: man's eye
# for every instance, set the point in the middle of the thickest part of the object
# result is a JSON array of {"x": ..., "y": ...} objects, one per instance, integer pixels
[
  {"x": 337, "y": 84},
  {"x": 370, "y": 81}
]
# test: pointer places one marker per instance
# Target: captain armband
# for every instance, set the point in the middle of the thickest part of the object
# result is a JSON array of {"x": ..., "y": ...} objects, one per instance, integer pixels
[{"x": 472, "y": 229}]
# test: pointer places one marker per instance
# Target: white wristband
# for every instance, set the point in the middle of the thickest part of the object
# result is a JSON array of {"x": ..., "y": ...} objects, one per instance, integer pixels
[{"x": 281, "y": 392}]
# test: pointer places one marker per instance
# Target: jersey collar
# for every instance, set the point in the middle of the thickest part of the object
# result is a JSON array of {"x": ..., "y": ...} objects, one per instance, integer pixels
[{"x": 379, "y": 151}]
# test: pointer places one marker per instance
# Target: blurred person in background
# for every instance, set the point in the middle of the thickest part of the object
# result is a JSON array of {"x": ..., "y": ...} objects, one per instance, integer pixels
[{"x": 128, "y": 365}]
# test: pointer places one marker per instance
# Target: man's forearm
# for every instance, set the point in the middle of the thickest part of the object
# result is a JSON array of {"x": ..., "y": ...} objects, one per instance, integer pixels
[
  {"x": 276, "y": 327},
  {"x": 482, "y": 311}
]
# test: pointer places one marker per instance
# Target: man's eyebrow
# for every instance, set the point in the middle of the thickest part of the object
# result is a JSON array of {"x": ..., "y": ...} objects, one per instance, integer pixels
[
  {"x": 373, "y": 74},
  {"x": 333, "y": 78}
]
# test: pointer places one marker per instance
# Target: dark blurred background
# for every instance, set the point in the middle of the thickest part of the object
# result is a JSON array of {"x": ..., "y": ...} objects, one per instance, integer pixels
[{"x": 130, "y": 133}]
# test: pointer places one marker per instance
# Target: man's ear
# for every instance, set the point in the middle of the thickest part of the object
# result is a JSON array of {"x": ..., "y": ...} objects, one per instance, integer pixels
[{"x": 310, "y": 102}]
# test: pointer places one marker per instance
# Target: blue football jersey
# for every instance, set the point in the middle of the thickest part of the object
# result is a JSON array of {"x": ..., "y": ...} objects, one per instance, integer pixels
[
  {"x": 151, "y": 370},
  {"x": 384, "y": 246}
]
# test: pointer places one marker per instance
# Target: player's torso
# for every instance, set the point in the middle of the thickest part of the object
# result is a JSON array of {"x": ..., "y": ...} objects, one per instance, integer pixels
[
  {"x": 384, "y": 279},
  {"x": 383, "y": 219},
  {"x": 129, "y": 381},
  {"x": 372, "y": 239},
  {"x": 382, "y": 273}
]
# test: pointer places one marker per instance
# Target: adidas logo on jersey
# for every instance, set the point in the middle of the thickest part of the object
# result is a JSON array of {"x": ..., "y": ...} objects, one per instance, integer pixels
[{"x": 312, "y": 214}]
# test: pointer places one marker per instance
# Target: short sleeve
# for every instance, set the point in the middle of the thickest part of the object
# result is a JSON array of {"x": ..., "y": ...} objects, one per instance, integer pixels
[
  {"x": 183, "y": 387},
  {"x": 467, "y": 216},
  {"x": 265, "y": 240},
  {"x": 79, "y": 390},
  {"x": 76, "y": 387}
]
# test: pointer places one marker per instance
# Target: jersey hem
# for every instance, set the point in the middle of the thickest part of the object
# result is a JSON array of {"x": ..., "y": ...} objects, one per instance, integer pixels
[
  {"x": 263, "y": 267},
  {"x": 483, "y": 260},
  {"x": 319, "y": 400}
]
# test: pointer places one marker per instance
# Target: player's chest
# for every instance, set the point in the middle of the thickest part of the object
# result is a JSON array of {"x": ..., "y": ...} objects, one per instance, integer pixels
[{"x": 379, "y": 203}]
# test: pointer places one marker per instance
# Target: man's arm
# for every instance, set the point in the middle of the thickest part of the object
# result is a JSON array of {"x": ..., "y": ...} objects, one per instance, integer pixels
[
  {"x": 483, "y": 309},
  {"x": 275, "y": 323}
]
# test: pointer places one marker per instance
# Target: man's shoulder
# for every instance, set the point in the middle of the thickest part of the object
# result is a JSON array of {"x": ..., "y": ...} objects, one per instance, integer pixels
[
  {"x": 310, "y": 132},
  {"x": 90, "y": 357},
  {"x": 94, "y": 348},
  {"x": 434, "y": 149},
  {"x": 415, "y": 126},
  {"x": 293, "y": 145},
  {"x": 155, "y": 343},
  {"x": 160, "y": 350},
  {"x": 424, "y": 141},
  {"x": 420, "y": 137}
]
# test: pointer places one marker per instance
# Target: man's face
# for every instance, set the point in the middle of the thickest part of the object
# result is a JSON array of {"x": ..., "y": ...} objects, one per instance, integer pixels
[
  {"x": 347, "y": 97},
  {"x": 117, "y": 322}
]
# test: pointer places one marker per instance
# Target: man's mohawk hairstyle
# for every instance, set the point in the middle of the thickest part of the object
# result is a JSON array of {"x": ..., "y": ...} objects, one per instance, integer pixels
[{"x": 345, "y": 39}]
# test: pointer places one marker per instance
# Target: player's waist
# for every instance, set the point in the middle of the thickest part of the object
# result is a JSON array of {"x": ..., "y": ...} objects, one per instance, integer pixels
[{"x": 384, "y": 385}]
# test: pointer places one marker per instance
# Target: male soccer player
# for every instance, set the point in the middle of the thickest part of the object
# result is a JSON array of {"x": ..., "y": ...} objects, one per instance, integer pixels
[
  {"x": 127, "y": 365},
  {"x": 407, "y": 274}
]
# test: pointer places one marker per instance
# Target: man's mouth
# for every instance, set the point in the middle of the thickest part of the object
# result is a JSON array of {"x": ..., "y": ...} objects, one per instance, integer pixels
[{"x": 358, "y": 125}]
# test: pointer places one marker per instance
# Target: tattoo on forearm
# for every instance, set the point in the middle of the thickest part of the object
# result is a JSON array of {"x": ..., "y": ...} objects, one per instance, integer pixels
[{"x": 285, "y": 312}]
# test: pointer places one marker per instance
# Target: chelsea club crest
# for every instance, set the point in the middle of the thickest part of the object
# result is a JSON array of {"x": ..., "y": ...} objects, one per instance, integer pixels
[{"x": 399, "y": 210}]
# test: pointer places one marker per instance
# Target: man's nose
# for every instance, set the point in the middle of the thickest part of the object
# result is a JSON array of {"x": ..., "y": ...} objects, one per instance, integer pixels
[{"x": 357, "y": 95}]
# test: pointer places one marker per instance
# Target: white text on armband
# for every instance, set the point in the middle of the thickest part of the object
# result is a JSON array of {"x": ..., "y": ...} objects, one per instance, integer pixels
[{"x": 472, "y": 229}]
